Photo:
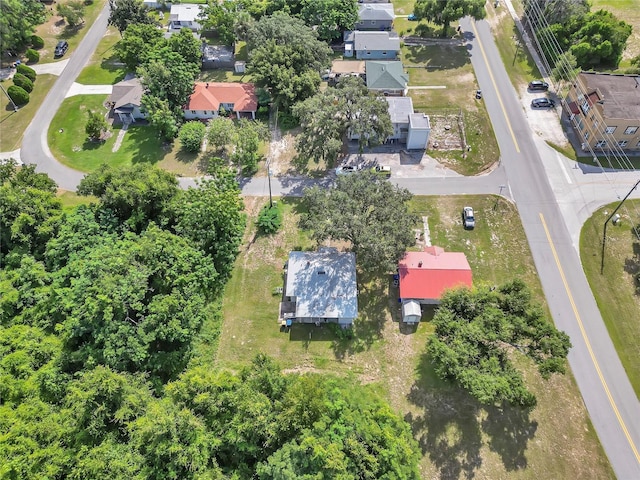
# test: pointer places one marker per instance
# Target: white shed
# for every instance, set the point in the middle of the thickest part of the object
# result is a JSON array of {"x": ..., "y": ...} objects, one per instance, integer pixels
[{"x": 411, "y": 311}]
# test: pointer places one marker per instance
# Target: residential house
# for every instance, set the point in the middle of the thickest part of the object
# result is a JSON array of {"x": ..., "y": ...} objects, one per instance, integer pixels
[
  {"x": 208, "y": 98},
  {"x": 217, "y": 56},
  {"x": 409, "y": 127},
  {"x": 125, "y": 101},
  {"x": 375, "y": 16},
  {"x": 372, "y": 45},
  {"x": 605, "y": 111},
  {"x": 424, "y": 277},
  {"x": 386, "y": 78},
  {"x": 185, "y": 15},
  {"x": 320, "y": 287},
  {"x": 345, "y": 68}
]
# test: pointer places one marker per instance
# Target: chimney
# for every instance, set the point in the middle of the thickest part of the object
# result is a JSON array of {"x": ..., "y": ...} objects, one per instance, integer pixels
[
  {"x": 207, "y": 85},
  {"x": 420, "y": 264}
]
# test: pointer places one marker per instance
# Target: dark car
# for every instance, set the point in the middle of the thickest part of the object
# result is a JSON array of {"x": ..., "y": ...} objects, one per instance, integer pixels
[
  {"x": 542, "y": 103},
  {"x": 538, "y": 86},
  {"x": 61, "y": 48},
  {"x": 468, "y": 218},
  {"x": 479, "y": 94}
]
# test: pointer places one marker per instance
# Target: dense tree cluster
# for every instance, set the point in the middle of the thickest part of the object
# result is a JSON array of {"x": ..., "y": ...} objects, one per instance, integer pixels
[
  {"x": 368, "y": 212},
  {"x": 443, "y": 12},
  {"x": 594, "y": 39},
  {"x": 477, "y": 334},
  {"x": 18, "y": 19},
  {"x": 327, "y": 117},
  {"x": 100, "y": 308}
]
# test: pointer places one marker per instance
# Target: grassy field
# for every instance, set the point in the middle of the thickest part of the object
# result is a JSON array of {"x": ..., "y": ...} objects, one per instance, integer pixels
[
  {"x": 103, "y": 67},
  {"x": 450, "y": 66},
  {"x": 13, "y": 124},
  {"x": 55, "y": 29},
  {"x": 617, "y": 290},
  {"x": 458, "y": 437},
  {"x": 140, "y": 143}
]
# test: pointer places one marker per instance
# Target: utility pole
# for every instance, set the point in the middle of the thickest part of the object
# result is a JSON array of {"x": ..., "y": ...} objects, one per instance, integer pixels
[{"x": 604, "y": 233}]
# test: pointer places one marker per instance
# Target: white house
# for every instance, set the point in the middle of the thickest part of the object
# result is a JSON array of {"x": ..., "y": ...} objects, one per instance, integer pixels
[
  {"x": 209, "y": 98},
  {"x": 408, "y": 127},
  {"x": 185, "y": 15}
]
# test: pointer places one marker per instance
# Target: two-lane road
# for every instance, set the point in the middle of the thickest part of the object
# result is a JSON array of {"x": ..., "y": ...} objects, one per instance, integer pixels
[
  {"x": 607, "y": 393},
  {"x": 34, "y": 144}
]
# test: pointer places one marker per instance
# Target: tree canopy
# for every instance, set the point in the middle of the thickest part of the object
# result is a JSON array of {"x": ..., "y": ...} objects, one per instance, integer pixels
[
  {"x": 123, "y": 13},
  {"x": 443, "y": 12},
  {"x": 367, "y": 211},
  {"x": 285, "y": 57},
  {"x": 477, "y": 333},
  {"x": 18, "y": 19},
  {"x": 329, "y": 116},
  {"x": 330, "y": 17}
]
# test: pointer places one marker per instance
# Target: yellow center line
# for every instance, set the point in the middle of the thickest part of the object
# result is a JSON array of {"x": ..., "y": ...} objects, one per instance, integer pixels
[
  {"x": 495, "y": 87},
  {"x": 588, "y": 343}
]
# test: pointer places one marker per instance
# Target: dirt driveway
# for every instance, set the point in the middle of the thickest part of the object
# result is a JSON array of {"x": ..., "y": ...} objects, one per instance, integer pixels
[{"x": 545, "y": 122}]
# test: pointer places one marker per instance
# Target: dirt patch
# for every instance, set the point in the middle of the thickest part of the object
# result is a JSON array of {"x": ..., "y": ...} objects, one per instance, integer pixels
[{"x": 446, "y": 132}]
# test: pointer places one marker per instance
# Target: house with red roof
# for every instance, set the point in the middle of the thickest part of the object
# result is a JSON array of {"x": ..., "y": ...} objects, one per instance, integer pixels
[
  {"x": 208, "y": 98},
  {"x": 424, "y": 276}
]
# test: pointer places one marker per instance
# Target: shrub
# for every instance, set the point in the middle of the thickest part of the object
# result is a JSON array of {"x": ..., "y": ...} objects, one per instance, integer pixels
[
  {"x": 96, "y": 125},
  {"x": 32, "y": 55},
  {"x": 18, "y": 95},
  {"x": 37, "y": 42},
  {"x": 23, "y": 82},
  {"x": 28, "y": 72},
  {"x": 269, "y": 219},
  {"x": 191, "y": 135}
]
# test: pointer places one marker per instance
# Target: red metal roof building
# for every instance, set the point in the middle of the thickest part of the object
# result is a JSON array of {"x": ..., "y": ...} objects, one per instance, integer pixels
[{"x": 424, "y": 276}]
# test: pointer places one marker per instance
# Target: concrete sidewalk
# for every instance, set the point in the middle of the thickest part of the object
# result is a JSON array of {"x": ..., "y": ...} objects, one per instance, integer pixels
[
  {"x": 80, "y": 89},
  {"x": 53, "y": 68}
]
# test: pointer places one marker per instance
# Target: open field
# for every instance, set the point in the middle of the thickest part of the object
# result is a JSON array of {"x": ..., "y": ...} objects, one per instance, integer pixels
[
  {"x": 617, "y": 290},
  {"x": 104, "y": 67},
  {"x": 448, "y": 64},
  {"x": 13, "y": 124},
  {"x": 140, "y": 144},
  {"x": 458, "y": 437}
]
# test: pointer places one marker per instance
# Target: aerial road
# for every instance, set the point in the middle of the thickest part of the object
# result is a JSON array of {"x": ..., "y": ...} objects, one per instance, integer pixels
[{"x": 612, "y": 404}]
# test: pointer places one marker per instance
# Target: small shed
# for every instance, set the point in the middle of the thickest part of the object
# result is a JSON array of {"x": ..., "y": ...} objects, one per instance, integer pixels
[
  {"x": 411, "y": 311},
  {"x": 240, "y": 66}
]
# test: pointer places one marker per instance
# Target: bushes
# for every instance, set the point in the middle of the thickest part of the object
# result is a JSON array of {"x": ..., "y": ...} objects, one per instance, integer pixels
[
  {"x": 191, "y": 135},
  {"x": 18, "y": 95},
  {"x": 23, "y": 82},
  {"x": 37, "y": 42},
  {"x": 269, "y": 219},
  {"x": 28, "y": 72},
  {"x": 32, "y": 55}
]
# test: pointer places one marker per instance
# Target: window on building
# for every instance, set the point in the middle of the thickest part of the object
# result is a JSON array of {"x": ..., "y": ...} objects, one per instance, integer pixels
[
  {"x": 586, "y": 135},
  {"x": 373, "y": 22},
  {"x": 595, "y": 124},
  {"x": 585, "y": 107},
  {"x": 610, "y": 130},
  {"x": 193, "y": 111},
  {"x": 631, "y": 130},
  {"x": 601, "y": 143},
  {"x": 622, "y": 143}
]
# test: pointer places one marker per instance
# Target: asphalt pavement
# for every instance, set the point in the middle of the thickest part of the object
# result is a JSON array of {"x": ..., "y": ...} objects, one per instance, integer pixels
[
  {"x": 607, "y": 393},
  {"x": 34, "y": 144}
]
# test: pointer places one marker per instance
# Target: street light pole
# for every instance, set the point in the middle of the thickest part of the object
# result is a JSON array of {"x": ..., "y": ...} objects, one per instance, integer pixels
[
  {"x": 269, "y": 177},
  {"x": 604, "y": 233}
]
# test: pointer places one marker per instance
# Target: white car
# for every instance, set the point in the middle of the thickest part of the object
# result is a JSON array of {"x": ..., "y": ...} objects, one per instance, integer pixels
[{"x": 347, "y": 169}]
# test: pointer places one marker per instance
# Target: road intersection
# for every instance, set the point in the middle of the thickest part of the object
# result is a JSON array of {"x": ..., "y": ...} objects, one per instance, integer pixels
[{"x": 553, "y": 200}]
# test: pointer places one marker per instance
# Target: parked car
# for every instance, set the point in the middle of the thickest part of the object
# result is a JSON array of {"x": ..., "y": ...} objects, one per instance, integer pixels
[
  {"x": 479, "y": 94},
  {"x": 384, "y": 170},
  {"x": 538, "y": 86},
  {"x": 468, "y": 219},
  {"x": 542, "y": 103},
  {"x": 412, "y": 17},
  {"x": 346, "y": 169},
  {"x": 61, "y": 48}
]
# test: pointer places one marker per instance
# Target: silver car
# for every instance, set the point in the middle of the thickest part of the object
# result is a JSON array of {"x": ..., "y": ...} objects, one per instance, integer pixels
[{"x": 468, "y": 218}]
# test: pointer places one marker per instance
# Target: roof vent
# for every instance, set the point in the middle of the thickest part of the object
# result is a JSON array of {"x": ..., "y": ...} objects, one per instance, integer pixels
[
  {"x": 420, "y": 264},
  {"x": 321, "y": 272}
]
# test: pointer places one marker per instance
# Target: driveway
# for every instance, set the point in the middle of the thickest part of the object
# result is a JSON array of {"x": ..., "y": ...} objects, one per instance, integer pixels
[
  {"x": 53, "y": 68},
  {"x": 80, "y": 89}
]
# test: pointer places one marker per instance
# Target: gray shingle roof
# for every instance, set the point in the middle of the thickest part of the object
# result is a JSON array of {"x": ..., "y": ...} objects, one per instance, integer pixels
[
  {"x": 376, "y": 41},
  {"x": 127, "y": 92},
  {"x": 376, "y": 11},
  {"x": 621, "y": 93}
]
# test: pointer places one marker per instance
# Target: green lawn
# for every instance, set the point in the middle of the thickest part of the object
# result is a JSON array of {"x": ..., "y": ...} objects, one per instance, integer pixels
[
  {"x": 103, "y": 67},
  {"x": 55, "y": 29},
  {"x": 140, "y": 144},
  {"x": 13, "y": 124},
  {"x": 617, "y": 290},
  {"x": 70, "y": 200},
  {"x": 450, "y": 66},
  {"x": 458, "y": 437}
]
